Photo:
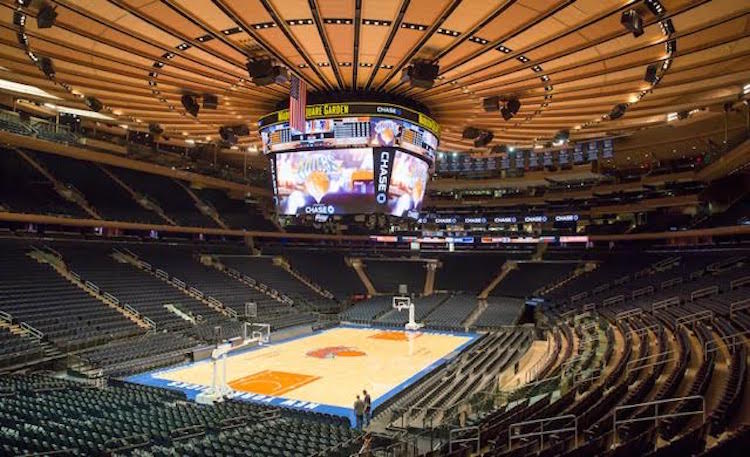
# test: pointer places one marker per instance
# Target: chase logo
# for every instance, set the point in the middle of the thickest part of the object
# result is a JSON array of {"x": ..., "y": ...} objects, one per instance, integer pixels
[{"x": 384, "y": 172}]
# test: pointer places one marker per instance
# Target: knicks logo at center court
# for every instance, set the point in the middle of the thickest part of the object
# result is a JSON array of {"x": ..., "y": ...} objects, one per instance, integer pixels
[{"x": 331, "y": 352}]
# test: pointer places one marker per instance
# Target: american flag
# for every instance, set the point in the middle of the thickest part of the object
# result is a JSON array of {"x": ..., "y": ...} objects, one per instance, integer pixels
[{"x": 297, "y": 104}]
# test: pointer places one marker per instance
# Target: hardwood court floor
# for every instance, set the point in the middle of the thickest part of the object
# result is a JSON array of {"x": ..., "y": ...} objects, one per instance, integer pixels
[{"x": 331, "y": 367}]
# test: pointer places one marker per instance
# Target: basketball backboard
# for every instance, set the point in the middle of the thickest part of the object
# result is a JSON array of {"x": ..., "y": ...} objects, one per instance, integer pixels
[{"x": 401, "y": 302}]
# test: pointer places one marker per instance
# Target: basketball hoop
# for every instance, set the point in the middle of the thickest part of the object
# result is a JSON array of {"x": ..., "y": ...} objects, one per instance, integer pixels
[{"x": 401, "y": 303}]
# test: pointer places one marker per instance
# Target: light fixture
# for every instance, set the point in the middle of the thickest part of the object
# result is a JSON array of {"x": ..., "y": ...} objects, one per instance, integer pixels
[
  {"x": 667, "y": 27},
  {"x": 79, "y": 112},
  {"x": 25, "y": 89},
  {"x": 655, "y": 7}
]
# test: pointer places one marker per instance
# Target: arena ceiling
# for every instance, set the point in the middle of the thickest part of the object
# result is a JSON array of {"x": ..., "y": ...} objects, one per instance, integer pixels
[{"x": 569, "y": 62}]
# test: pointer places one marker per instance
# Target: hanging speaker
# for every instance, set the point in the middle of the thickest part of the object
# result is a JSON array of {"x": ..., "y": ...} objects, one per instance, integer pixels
[
  {"x": 633, "y": 22},
  {"x": 155, "y": 129},
  {"x": 618, "y": 111},
  {"x": 190, "y": 105},
  {"x": 45, "y": 63},
  {"x": 241, "y": 129},
  {"x": 46, "y": 16},
  {"x": 470, "y": 133},
  {"x": 491, "y": 104},
  {"x": 210, "y": 101},
  {"x": 483, "y": 139},
  {"x": 227, "y": 134},
  {"x": 93, "y": 103}
]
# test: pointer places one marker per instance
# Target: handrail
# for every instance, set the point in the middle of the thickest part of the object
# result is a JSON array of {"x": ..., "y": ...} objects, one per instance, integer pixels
[
  {"x": 542, "y": 432},
  {"x": 111, "y": 297},
  {"x": 656, "y": 416},
  {"x": 628, "y": 367},
  {"x": 735, "y": 339},
  {"x": 739, "y": 282},
  {"x": 578, "y": 296},
  {"x": 671, "y": 282},
  {"x": 7, "y": 317},
  {"x": 600, "y": 288},
  {"x": 642, "y": 291},
  {"x": 738, "y": 306},
  {"x": 458, "y": 431},
  {"x": 694, "y": 317},
  {"x": 661, "y": 304},
  {"x": 197, "y": 292},
  {"x": 159, "y": 273},
  {"x": 705, "y": 292},
  {"x": 632, "y": 312},
  {"x": 145, "y": 440},
  {"x": 641, "y": 330},
  {"x": 66, "y": 451},
  {"x": 190, "y": 432},
  {"x": 91, "y": 286},
  {"x": 34, "y": 332},
  {"x": 130, "y": 309},
  {"x": 614, "y": 300}
]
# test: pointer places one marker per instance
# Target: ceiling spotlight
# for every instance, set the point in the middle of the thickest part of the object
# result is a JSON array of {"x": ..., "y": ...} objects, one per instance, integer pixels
[
  {"x": 46, "y": 16},
  {"x": 655, "y": 7},
  {"x": 667, "y": 27},
  {"x": 19, "y": 19},
  {"x": 633, "y": 22}
]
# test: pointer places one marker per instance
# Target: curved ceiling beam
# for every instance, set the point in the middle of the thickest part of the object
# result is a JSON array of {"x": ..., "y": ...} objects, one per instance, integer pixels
[
  {"x": 391, "y": 35},
  {"x": 420, "y": 43},
  {"x": 326, "y": 44}
]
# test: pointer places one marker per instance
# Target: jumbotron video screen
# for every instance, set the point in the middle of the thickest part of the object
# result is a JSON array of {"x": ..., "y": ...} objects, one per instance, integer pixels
[
  {"x": 355, "y": 164},
  {"x": 350, "y": 181}
]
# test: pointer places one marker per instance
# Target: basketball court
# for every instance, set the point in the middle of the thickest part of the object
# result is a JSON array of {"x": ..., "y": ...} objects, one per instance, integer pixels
[{"x": 323, "y": 371}]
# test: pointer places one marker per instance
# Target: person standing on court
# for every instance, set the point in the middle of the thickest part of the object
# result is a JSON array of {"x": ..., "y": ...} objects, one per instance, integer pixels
[
  {"x": 359, "y": 411},
  {"x": 368, "y": 407}
]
